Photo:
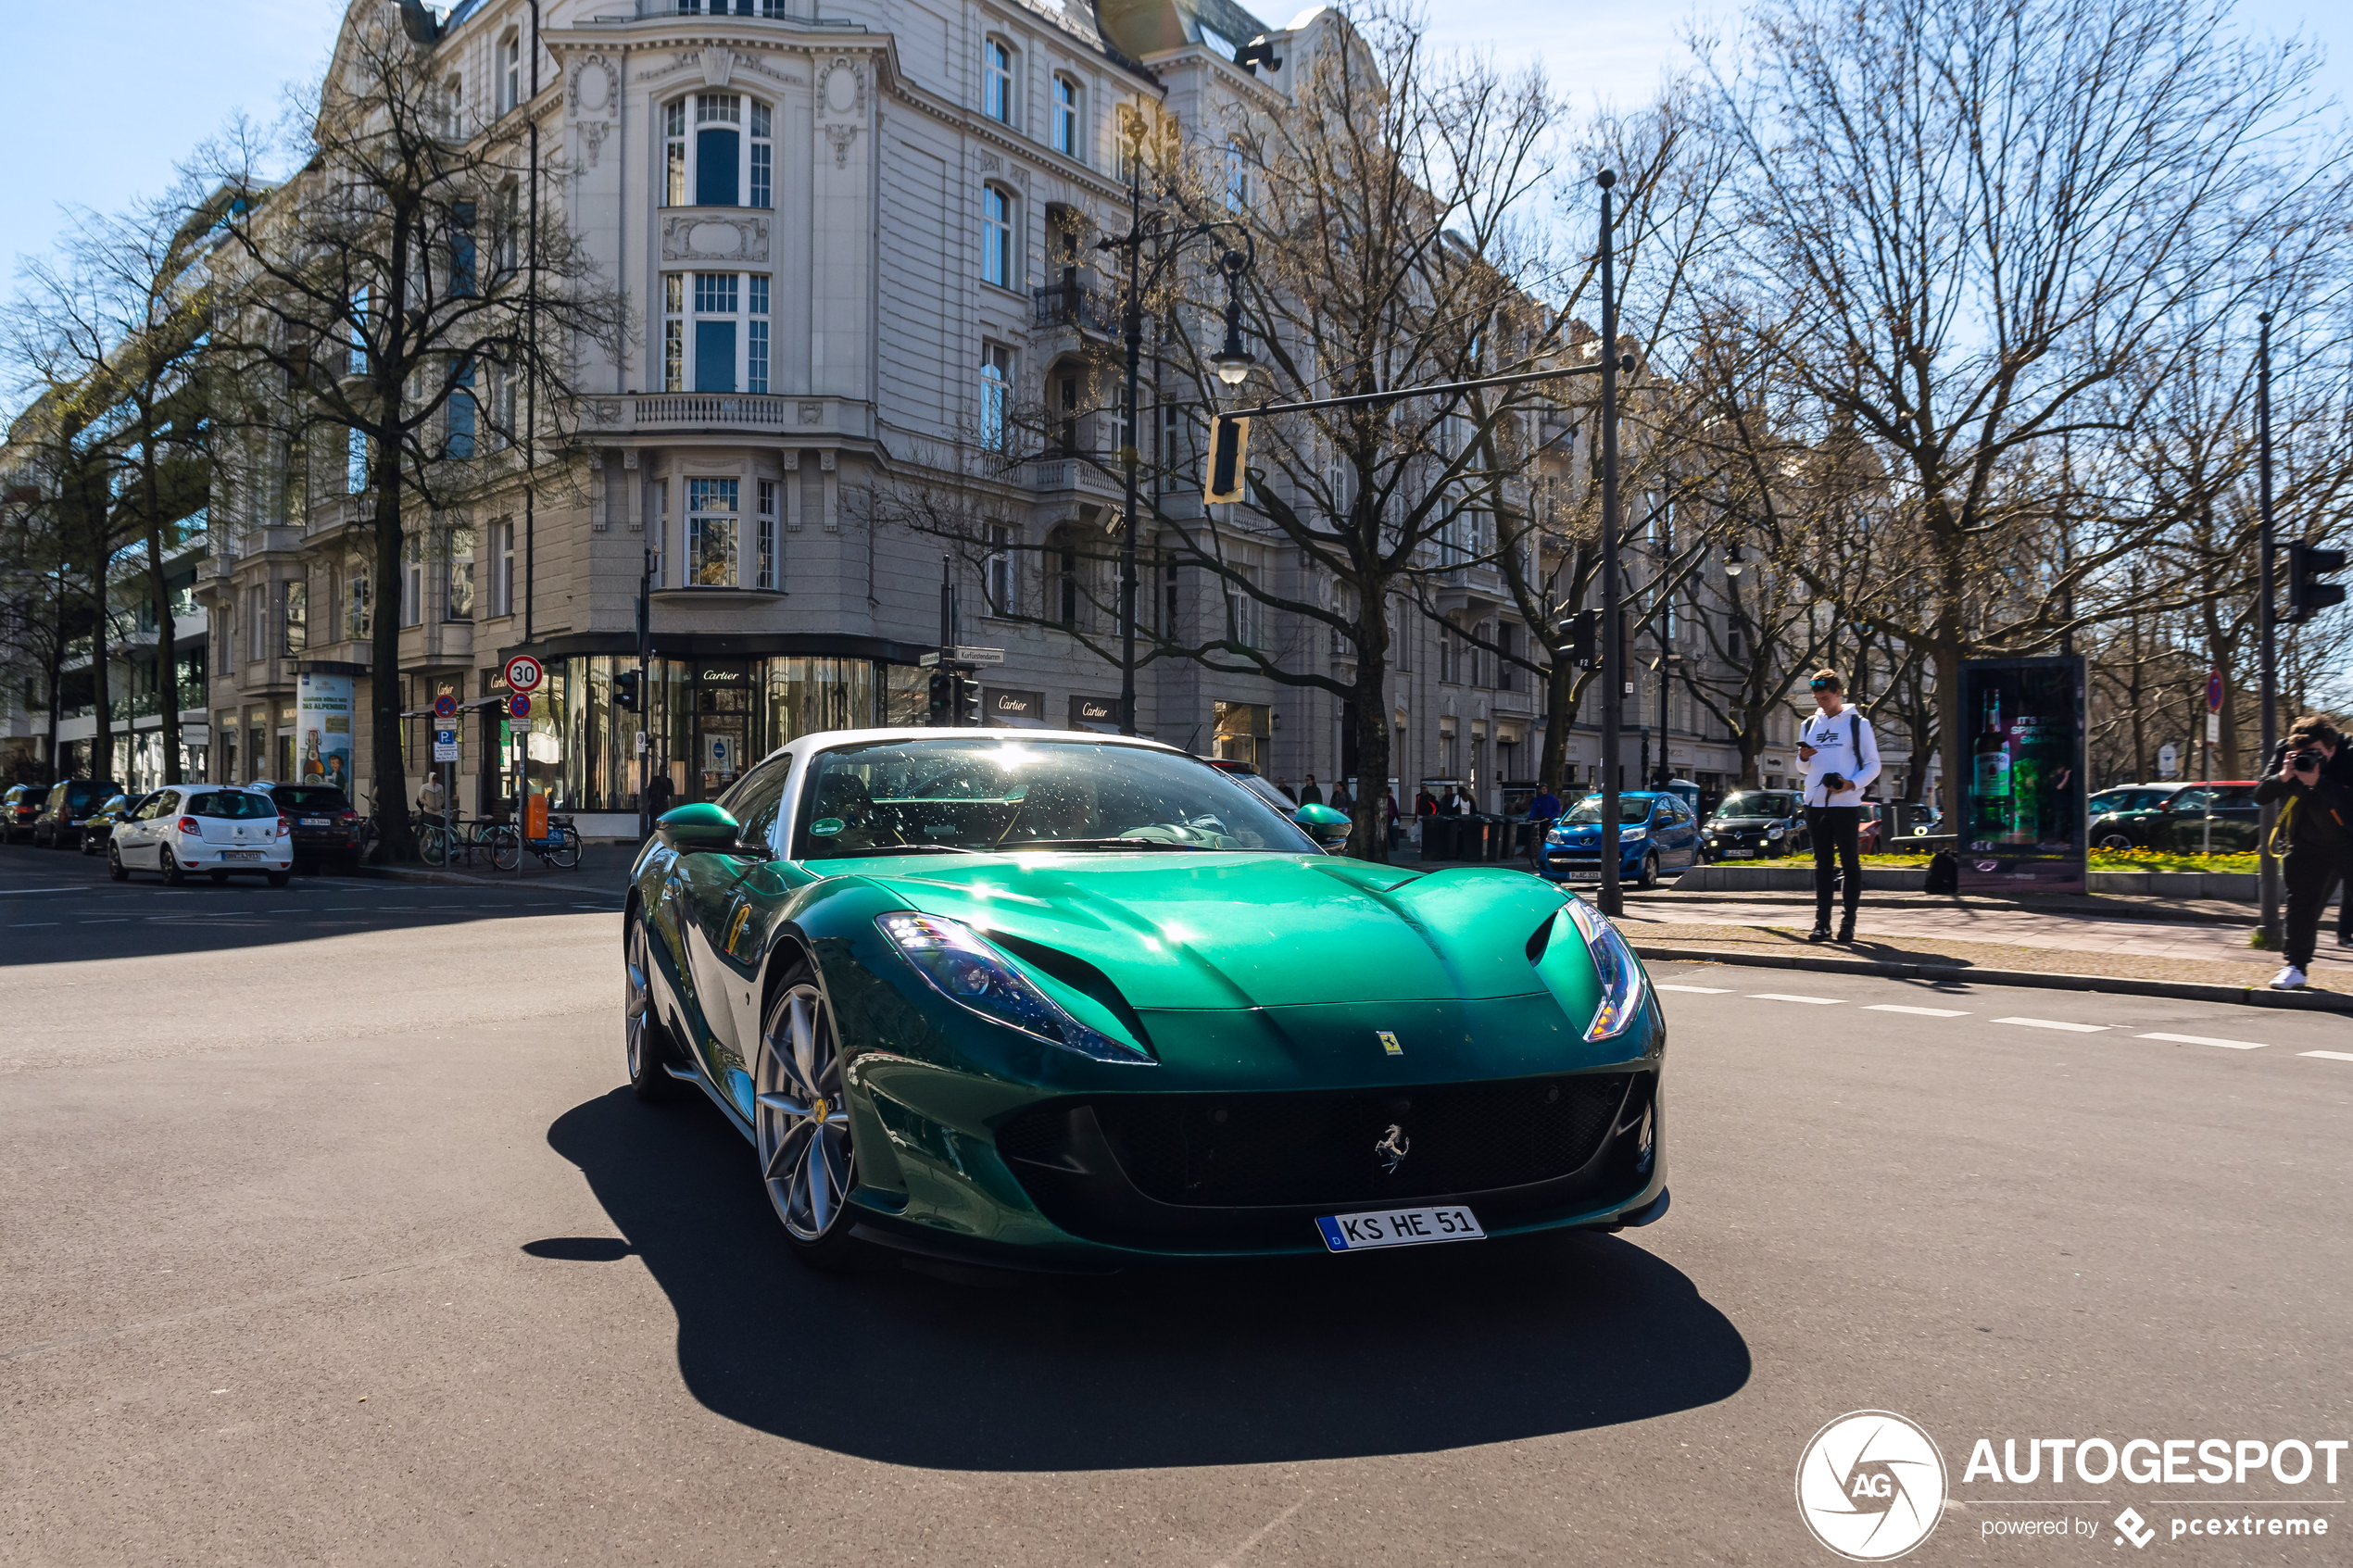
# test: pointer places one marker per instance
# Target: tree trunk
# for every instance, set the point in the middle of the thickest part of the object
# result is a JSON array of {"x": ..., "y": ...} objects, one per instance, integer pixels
[
  {"x": 1368, "y": 835},
  {"x": 167, "y": 653},
  {"x": 389, "y": 772},
  {"x": 1954, "y": 725},
  {"x": 101, "y": 739}
]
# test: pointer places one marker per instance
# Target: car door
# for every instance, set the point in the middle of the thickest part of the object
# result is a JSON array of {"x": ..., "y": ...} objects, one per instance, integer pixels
[
  {"x": 2237, "y": 820},
  {"x": 2181, "y": 827},
  {"x": 131, "y": 834},
  {"x": 712, "y": 914},
  {"x": 1678, "y": 832}
]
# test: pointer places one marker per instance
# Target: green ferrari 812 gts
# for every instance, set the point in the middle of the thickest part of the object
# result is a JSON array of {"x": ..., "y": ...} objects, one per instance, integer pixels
[{"x": 1072, "y": 1002}]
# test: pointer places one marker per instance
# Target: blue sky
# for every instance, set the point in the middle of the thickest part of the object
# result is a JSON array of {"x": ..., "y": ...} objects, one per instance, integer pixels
[{"x": 182, "y": 67}]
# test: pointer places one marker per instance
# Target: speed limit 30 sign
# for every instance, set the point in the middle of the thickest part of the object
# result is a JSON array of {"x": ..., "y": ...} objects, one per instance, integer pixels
[{"x": 523, "y": 674}]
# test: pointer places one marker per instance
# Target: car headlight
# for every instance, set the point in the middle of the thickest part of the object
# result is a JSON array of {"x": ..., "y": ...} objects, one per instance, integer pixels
[
  {"x": 1614, "y": 963},
  {"x": 1628, "y": 836},
  {"x": 1559, "y": 835},
  {"x": 1775, "y": 831},
  {"x": 975, "y": 976}
]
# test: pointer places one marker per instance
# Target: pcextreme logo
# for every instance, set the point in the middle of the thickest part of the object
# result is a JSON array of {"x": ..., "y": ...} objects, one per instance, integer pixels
[{"x": 1870, "y": 1485}]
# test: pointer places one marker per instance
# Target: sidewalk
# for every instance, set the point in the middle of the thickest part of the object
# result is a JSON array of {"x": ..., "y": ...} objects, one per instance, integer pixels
[{"x": 604, "y": 868}]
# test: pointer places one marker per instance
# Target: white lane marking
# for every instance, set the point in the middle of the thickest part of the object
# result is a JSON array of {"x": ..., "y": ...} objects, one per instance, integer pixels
[
  {"x": 110, "y": 920},
  {"x": 25, "y": 924},
  {"x": 2054, "y": 1023},
  {"x": 2332, "y": 1056},
  {"x": 7, "y": 890},
  {"x": 1696, "y": 990},
  {"x": 1781, "y": 996},
  {"x": 2206, "y": 1040},
  {"x": 1924, "y": 1012}
]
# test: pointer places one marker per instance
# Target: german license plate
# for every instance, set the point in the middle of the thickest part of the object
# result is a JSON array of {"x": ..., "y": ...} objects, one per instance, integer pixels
[
  {"x": 316, "y": 822},
  {"x": 1738, "y": 854},
  {"x": 241, "y": 854},
  {"x": 1398, "y": 1227}
]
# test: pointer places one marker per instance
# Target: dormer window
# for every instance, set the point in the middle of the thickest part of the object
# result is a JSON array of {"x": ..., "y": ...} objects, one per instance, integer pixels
[
  {"x": 997, "y": 81},
  {"x": 730, "y": 158}
]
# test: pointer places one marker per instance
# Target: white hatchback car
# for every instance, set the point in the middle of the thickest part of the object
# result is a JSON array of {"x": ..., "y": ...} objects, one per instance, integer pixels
[{"x": 215, "y": 828}]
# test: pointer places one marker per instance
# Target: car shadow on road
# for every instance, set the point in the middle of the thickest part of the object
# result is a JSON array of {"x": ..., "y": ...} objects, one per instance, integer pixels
[{"x": 1250, "y": 1364}]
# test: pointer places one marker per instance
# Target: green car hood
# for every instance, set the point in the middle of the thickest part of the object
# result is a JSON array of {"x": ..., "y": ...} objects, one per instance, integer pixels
[{"x": 1176, "y": 931}]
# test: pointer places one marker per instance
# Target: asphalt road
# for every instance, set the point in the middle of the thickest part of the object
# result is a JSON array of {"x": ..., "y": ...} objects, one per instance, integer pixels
[{"x": 332, "y": 1235}]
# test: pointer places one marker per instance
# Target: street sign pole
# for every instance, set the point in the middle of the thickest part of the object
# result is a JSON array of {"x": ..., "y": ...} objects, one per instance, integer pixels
[{"x": 644, "y": 689}]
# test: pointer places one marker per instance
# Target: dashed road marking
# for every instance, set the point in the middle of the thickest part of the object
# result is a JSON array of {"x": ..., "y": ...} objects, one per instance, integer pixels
[
  {"x": 1781, "y": 997},
  {"x": 25, "y": 924},
  {"x": 2206, "y": 1040},
  {"x": 2332, "y": 1056},
  {"x": 2054, "y": 1023},
  {"x": 1696, "y": 990},
  {"x": 1924, "y": 1012}
]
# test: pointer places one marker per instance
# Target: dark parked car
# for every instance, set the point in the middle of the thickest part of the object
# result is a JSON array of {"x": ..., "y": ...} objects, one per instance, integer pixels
[
  {"x": 2127, "y": 815},
  {"x": 70, "y": 801},
  {"x": 2222, "y": 814},
  {"x": 1755, "y": 823},
  {"x": 325, "y": 826},
  {"x": 97, "y": 828},
  {"x": 18, "y": 808}
]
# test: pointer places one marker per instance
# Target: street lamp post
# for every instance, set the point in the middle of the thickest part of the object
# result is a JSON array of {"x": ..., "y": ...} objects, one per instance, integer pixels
[
  {"x": 1232, "y": 360},
  {"x": 1613, "y": 898}
]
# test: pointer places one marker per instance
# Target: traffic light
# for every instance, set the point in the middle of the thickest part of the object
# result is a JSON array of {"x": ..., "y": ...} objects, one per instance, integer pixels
[
  {"x": 968, "y": 701},
  {"x": 1580, "y": 631},
  {"x": 2307, "y": 592},
  {"x": 942, "y": 711},
  {"x": 1228, "y": 446},
  {"x": 624, "y": 689}
]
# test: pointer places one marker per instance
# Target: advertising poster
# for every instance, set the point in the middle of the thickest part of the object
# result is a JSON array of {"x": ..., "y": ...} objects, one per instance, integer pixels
[
  {"x": 2022, "y": 829},
  {"x": 322, "y": 731}
]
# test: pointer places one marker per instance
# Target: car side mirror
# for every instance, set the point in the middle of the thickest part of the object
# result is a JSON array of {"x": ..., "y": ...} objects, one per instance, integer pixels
[
  {"x": 699, "y": 827},
  {"x": 1326, "y": 825}
]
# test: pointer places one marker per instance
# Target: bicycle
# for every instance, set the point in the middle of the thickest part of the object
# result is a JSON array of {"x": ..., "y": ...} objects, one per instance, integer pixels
[
  {"x": 441, "y": 841},
  {"x": 560, "y": 848}
]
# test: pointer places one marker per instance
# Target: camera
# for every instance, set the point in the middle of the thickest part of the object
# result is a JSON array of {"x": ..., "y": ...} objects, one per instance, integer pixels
[{"x": 2303, "y": 760}]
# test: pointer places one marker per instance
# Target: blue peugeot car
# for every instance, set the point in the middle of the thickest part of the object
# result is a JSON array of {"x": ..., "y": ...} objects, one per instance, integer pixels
[{"x": 1656, "y": 832}]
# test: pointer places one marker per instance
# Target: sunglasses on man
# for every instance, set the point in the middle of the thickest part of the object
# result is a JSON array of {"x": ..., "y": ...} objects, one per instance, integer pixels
[{"x": 1825, "y": 686}]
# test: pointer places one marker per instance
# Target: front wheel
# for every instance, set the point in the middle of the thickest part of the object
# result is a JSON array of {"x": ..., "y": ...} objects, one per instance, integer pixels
[
  {"x": 506, "y": 848},
  {"x": 433, "y": 844},
  {"x": 802, "y": 1124},
  {"x": 2115, "y": 841},
  {"x": 116, "y": 869}
]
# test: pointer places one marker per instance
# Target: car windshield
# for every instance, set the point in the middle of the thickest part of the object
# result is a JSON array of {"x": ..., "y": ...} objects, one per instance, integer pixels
[
  {"x": 1757, "y": 803},
  {"x": 1261, "y": 786},
  {"x": 310, "y": 798},
  {"x": 1630, "y": 809},
  {"x": 232, "y": 805},
  {"x": 982, "y": 794}
]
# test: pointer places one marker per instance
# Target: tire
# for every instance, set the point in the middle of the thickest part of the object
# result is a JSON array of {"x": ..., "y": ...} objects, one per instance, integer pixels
[
  {"x": 641, "y": 1032},
  {"x": 217, "y": 879},
  {"x": 1649, "y": 877},
  {"x": 279, "y": 879},
  {"x": 116, "y": 869},
  {"x": 506, "y": 848},
  {"x": 169, "y": 864},
  {"x": 800, "y": 1126},
  {"x": 432, "y": 844},
  {"x": 2114, "y": 841},
  {"x": 565, "y": 852}
]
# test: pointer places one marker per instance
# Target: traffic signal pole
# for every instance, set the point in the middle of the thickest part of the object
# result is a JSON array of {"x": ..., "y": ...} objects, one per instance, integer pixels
[
  {"x": 2268, "y": 867},
  {"x": 1613, "y": 898}
]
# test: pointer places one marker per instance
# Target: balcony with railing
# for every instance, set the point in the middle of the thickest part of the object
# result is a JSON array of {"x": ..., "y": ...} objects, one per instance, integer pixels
[
  {"x": 1073, "y": 303},
  {"x": 679, "y": 412},
  {"x": 803, "y": 14}
]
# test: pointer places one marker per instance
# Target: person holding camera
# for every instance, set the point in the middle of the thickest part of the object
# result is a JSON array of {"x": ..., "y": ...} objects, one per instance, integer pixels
[
  {"x": 1841, "y": 756},
  {"x": 2337, "y": 772},
  {"x": 2311, "y": 827}
]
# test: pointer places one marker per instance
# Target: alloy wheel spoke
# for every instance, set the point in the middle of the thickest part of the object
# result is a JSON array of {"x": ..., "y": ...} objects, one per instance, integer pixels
[
  {"x": 804, "y": 1040},
  {"x": 776, "y": 1099},
  {"x": 820, "y": 1169},
  {"x": 787, "y": 1159}
]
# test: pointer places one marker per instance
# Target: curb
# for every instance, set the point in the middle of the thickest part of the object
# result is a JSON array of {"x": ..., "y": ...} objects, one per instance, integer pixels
[
  {"x": 452, "y": 879},
  {"x": 2180, "y": 990}
]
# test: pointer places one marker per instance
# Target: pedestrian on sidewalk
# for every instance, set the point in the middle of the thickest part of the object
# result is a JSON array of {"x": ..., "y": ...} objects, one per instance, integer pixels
[
  {"x": 1342, "y": 800},
  {"x": 657, "y": 796},
  {"x": 2337, "y": 772},
  {"x": 1841, "y": 756},
  {"x": 1310, "y": 793},
  {"x": 1542, "y": 812},
  {"x": 2311, "y": 826}
]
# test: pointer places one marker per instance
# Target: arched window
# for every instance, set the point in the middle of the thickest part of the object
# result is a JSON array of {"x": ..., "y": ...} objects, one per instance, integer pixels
[
  {"x": 715, "y": 167},
  {"x": 1066, "y": 128},
  {"x": 997, "y": 81},
  {"x": 997, "y": 252}
]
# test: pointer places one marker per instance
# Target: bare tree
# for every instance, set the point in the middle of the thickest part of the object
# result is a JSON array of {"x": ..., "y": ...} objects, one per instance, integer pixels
[
  {"x": 411, "y": 289},
  {"x": 1984, "y": 219}
]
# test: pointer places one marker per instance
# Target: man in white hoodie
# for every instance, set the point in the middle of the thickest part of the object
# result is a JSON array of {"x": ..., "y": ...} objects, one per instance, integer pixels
[{"x": 1841, "y": 756}]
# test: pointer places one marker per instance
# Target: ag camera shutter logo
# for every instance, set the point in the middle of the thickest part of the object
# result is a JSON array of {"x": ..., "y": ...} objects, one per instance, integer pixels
[{"x": 1870, "y": 1485}]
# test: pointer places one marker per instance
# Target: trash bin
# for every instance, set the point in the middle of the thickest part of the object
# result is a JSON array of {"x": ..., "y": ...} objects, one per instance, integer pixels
[{"x": 1439, "y": 838}]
